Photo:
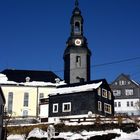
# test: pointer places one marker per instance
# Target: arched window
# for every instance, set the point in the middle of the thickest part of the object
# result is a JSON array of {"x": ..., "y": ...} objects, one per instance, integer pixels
[
  {"x": 25, "y": 113},
  {"x": 77, "y": 27}
]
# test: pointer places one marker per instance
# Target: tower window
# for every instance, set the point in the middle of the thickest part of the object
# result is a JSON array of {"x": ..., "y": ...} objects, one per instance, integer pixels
[
  {"x": 78, "y": 61},
  {"x": 77, "y": 27}
]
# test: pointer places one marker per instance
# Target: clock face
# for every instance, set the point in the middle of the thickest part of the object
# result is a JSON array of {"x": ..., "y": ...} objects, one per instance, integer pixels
[{"x": 78, "y": 42}]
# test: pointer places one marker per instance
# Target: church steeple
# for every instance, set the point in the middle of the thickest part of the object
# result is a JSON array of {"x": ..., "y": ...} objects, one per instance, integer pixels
[
  {"x": 76, "y": 3},
  {"x": 76, "y": 21},
  {"x": 77, "y": 55}
]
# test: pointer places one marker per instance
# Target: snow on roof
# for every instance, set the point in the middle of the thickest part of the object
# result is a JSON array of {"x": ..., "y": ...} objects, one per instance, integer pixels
[
  {"x": 135, "y": 82},
  {"x": 3, "y": 77},
  {"x": 36, "y": 83},
  {"x": 4, "y": 80},
  {"x": 66, "y": 90}
]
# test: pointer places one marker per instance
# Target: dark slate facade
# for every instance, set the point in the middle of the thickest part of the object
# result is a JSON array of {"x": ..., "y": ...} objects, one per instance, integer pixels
[
  {"x": 127, "y": 95},
  {"x": 122, "y": 83},
  {"x": 81, "y": 103},
  {"x": 33, "y": 75}
]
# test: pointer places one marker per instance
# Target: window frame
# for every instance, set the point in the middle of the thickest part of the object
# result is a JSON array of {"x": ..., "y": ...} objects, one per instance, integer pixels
[
  {"x": 104, "y": 93},
  {"x": 55, "y": 111},
  {"x": 115, "y": 104},
  {"x": 107, "y": 108},
  {"x": 127, "y": 104},
  {"x": 63, "y": 107},
  {"x": 132, "y": 103},
  {"x": 77, "y": 27},
  {"x": 41, "y": 95},
  {"x": 78, "y": 61},
  {"x": 10, "y": 102},
  {"x": 26, "y": 99},
  {"x": 129, "y": 92},
  {"x": 109, "y": 95},
  {"x": 117, "y": 92},
  {"x": 99, "y": 106},
  {"x": 119, "y": 104},
  {"x": 99, "y": 91}
]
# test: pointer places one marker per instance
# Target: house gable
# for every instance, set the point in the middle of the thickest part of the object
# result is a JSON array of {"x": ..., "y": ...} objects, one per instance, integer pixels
[{"x": 125, "y": 88}]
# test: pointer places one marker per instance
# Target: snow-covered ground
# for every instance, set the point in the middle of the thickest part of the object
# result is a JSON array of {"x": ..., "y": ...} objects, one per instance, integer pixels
[{"x": 83, "y": 135}]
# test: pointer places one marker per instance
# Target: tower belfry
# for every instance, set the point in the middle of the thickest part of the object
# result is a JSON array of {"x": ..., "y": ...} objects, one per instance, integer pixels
[{"x": 77, "y": 55}]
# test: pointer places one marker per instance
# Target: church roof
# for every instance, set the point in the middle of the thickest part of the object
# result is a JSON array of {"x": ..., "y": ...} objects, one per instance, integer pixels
[{"x": 32, "y": 75}]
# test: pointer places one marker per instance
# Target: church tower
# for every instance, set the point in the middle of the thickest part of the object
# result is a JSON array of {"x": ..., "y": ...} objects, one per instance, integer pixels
[{"x": 77, "y": 55}]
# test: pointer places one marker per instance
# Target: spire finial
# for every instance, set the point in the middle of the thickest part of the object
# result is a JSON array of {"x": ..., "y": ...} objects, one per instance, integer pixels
[{"x": 76, "y": 3}]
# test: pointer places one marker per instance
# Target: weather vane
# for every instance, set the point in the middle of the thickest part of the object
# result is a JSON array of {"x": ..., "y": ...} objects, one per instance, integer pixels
[{"x": 76, "y": 3}]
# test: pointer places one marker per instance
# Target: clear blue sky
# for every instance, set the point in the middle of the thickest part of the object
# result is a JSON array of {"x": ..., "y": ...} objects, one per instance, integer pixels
[{"x": 33, "y": 35}]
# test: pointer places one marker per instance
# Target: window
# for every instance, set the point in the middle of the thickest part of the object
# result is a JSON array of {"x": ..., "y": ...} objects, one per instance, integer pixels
[
  {"x": 104, "y": 93},
  {"x": 115, "y": 104},
  {"x": 55, "y": 108},
  {"x": 10, "y": 102},
  {"x": 99, "y": 106},
  {"x": 26, "y": 99},
  {"x": 25, "y": 113},
  {"x": 109, "y": 94},
  {"x": 116, "y": 83},
  {"x": 119, "y": 104},
  {"x": 78, "y": 61},
  {"x": 99, "y": 91},
  {"x": 107, "y": 108},
  {"x": 132, "y": 104},
  {"x": 66, "y": 107},
  {"x": 122, "y": 82},
  {"x": 41, "y": 95},
  {"x": 1, "y": 109},
  {"x": 127, "y": 104},
  {"x": 77, "y": 27},
  {"x": 128, "y": 92},
  {"x": 117, "y": 92}
]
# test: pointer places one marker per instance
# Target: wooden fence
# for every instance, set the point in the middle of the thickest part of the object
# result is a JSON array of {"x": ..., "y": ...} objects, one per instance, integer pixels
[{"x": 103, "y": 120}]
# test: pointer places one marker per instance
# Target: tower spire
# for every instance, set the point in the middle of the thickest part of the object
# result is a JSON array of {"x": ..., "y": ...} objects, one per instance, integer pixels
[{"x": 76, "y": 3}]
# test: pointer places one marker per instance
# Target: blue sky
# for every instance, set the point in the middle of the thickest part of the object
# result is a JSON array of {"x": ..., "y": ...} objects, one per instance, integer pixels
[{"x": 33, "y": 35}]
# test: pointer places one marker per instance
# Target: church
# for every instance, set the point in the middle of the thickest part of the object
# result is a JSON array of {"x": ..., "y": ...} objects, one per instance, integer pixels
[{"x": 80, "y": 95}]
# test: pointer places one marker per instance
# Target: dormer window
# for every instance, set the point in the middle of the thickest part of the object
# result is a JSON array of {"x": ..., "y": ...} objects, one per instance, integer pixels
[{"x": 77, "y": 27}]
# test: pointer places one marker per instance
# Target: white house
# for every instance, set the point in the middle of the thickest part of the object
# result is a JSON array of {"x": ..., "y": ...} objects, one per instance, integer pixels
[{"x": 127, "y": 95}]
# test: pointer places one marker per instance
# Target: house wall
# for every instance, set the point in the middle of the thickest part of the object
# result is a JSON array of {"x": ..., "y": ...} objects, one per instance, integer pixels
[
  {"x": 1, "y": 114},
  {"x": 124, "y": 108},
  {"x": 81, "y": 103},
  {"x": 18, "y": 98}
]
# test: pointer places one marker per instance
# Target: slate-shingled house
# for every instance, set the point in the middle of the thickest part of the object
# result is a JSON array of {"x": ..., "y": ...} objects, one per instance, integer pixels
[
  {"x": 80, "y": 99},
  {"x": 127, "y": 95}
]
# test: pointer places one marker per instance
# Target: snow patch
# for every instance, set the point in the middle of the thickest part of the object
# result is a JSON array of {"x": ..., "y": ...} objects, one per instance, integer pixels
[
  {"x": 16, "y": 137},
  {"x": 38, "y": 133},
  {"x": 87, "y": 87}
]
